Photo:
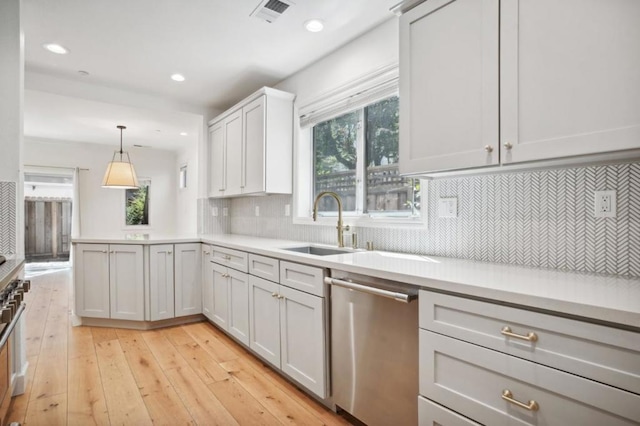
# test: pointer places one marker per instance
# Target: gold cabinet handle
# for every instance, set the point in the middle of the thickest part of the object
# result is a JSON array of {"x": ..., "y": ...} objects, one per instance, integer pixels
[
  {"x": 274, "y": 294},
  {"x": 488, "y": 148},
  {"x": 508, "y": 146},
  {"x": 280, "y": 296},
  {"x": 226, "y": 257},
  {"x": 530, "y": 337},
  {"x": 507, "y": 395}
]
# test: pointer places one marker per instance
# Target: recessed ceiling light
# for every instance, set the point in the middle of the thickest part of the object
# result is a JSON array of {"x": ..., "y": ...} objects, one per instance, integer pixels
[
  {"x": 56, "y": 48},
  {"x": 314, "y": 25},
  {"x": 183, "y": 133},
  {"x": 178, "y": 77}
]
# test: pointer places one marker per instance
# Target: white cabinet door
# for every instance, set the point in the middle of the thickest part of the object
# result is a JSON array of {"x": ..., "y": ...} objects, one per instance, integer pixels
[
  {"x": 91, "y": 280},
  {"x": 239, "y": 305},
  {"x": 449, "y": 85},
  {"x": 126, "y": 282},
  {"x": 569, "y": 77},
  {"x": 264, "y": 319},
  {"x": 187, "y": 280},
  {"x": 254, "y": 139},
  {"x": 207, "y": 282},
  {"x": 220, "y": 312},
  {"x": 161, "y": 293},
  {"x": 235, "y": 151},
  {"x": 217, "y": 160},
  {"x": 303, "y": 339}
]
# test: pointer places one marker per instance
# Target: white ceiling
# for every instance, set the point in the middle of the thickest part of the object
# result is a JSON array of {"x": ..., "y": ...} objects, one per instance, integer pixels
[
  {"x": 223, "y": 52},
  {"x": 52, "y": 116}
]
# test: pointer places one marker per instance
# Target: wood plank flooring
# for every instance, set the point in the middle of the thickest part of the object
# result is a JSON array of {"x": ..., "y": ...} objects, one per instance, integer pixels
[{"x": 187, "y": 375}]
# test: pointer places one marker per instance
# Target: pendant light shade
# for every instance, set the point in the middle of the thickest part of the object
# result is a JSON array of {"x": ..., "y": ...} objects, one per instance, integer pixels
[{"x": 120, "y": 172}]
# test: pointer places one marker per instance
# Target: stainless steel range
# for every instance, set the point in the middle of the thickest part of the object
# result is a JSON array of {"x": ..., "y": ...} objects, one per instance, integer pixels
[{"x": 11, "y": 346}]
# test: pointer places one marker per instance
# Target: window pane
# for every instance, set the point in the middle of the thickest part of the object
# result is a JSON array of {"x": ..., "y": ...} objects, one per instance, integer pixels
[
  {"x": 386, "y": 191},
  {"x": 137, "y": 204},
  {"x": 334, "y": 147}
]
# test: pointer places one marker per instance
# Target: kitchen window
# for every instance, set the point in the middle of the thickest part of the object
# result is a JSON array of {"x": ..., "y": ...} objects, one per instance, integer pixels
[{"x": 356, "y": 156}]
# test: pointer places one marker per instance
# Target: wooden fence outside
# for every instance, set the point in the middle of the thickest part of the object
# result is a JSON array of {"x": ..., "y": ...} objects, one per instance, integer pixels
[
  {"x": 387, "y": 190},
  {"x": 47, "y": 229}
]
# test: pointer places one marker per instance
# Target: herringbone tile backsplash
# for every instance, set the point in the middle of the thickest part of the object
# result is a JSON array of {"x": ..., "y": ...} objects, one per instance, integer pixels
[
  {"x": 543, "y": 218},
  {"x": 8, "y": 217}
]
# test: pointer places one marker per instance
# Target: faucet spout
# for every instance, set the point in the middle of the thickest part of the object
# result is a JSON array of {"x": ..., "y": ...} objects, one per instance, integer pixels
[{"x": 340, "y": 227}]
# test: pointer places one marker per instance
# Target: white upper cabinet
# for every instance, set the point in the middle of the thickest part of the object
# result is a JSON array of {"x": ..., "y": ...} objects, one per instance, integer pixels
[
  {"x": 564, "y": 73},
  {"x": 251, "y": 146},
  {"x": 449, "y": 86},
  {"x": 570, "y": 80},
  {"x": 234, "y": 147},
  {"x": 217, "y": 160}
]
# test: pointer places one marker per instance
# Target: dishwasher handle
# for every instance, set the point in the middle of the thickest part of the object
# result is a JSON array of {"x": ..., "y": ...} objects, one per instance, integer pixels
[{"x": 400, "y": 297}]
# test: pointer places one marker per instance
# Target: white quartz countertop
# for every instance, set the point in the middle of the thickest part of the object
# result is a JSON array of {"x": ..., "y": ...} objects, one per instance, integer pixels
[
  {"x": 9, "y": 269},
  {"x": 611, "y": 299}
]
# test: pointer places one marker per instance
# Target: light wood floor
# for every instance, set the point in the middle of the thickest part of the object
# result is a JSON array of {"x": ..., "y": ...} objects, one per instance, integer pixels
[{"x": 191, "y": 374}]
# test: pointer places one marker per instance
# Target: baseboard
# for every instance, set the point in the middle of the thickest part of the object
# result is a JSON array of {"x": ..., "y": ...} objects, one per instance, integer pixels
[{"x": 138, "y": 325}]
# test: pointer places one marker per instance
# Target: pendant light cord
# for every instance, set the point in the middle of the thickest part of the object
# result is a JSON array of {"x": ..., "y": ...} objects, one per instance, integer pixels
[{"x": 121, "y": 129}]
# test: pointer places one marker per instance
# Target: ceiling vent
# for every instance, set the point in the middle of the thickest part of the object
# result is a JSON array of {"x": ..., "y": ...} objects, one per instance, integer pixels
[{"x": 270, "y": 10}]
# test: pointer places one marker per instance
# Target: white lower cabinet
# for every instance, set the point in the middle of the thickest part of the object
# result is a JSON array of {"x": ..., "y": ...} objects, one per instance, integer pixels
[
  {"x": 230, "y": 307},
  {"x": 287, "y": 328},
  {"x": 207, "y": 282},
  {"x": 126, "y": 282},
  {"x": 500, "y": 365},
  {"x": 91, "y": 280},
  {"x": 109, "y": 281},
  {"x": 432, "y": 414},
  {"x": 161, "y": 291},
  {"x": 187, "y": 293},
  {"x": 174, "y": 281}
]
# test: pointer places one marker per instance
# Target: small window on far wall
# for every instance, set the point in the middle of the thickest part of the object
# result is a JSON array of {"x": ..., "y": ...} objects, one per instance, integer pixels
[
  {"x": 183, "y": 176},
  {"x": 137, "y": 204}
]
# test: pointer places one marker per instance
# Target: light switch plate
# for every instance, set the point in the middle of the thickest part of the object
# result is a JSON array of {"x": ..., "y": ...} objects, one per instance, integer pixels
[
  {"x": 287, "y": 209},
  {"x": 225, "y": 211},
  {"x": 257, "y": 210},
  {"x": 448, "y": 207},
  {"x": 214, "y": 211}
]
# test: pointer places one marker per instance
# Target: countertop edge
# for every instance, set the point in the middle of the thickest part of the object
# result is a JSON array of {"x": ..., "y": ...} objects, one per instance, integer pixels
[
  {"x": 9, "y": 270},
  {"x": 276, "y": 248}
]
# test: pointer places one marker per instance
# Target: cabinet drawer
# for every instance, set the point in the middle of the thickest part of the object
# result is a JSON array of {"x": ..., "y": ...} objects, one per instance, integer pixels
[
  {"x": 471, "y": 380},
  {"x": 601, "y": 353},
  {"x": 228, "y": 257},
  {"x": 264, "y": 267},
  {"x": 302, "y": 277},
  {"x": 432, "y": 414}
]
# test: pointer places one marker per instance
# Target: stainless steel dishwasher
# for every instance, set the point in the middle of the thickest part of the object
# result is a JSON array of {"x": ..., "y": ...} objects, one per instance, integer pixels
[{"x": 374, "y": 349}]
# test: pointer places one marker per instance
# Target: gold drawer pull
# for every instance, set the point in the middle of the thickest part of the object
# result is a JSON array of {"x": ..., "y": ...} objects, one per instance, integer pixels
[
  {"x": 531, "y": 405},
  {"x": 530, "y": 337}
]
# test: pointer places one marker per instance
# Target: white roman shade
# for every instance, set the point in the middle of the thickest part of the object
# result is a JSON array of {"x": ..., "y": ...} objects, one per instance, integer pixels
[{"x": 357, "y": 94}]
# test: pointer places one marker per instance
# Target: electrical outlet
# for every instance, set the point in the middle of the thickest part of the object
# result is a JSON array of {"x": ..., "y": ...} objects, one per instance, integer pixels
[
  {"x": 214, "y": 211},
  {"x": 605, "y": 204},
  {"x": 225, "y": 211},
  {"x": 448, "y": 207},
  {"x": 287, "y": 209},
  {"x": 257, "y": 210}
]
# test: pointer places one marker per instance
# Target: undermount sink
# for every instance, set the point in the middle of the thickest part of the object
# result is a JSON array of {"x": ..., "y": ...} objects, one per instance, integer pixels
[{"x": 318, "y": 251}]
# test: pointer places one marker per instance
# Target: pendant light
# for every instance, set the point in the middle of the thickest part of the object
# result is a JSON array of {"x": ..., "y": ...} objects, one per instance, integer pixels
[{"x": 120, "y": 172}]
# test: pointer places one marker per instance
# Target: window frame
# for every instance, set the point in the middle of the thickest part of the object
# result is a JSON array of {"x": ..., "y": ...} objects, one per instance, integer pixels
[{"x": 304, "y": 192}]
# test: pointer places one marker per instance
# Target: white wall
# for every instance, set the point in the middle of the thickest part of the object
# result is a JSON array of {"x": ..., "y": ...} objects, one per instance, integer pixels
[
  {"x": 186, "y": 198},
  {"x": 369, "y": 52},
  {"x": 102, "y": 210}
]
